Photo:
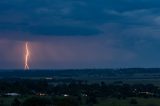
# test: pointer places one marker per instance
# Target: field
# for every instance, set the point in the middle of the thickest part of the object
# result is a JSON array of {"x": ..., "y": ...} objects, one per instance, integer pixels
[
  {"x": 39, "y": 79},
  {"x": 6, "y": 101},
  {"x": 105, "y": 102},
  {"x": 126, "y": 102}
]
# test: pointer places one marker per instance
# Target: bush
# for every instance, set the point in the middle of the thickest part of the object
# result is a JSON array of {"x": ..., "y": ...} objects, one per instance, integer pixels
[
  {"x": 66, "y": 101},
  {"x": 37, "y": 101},
  {"x": 133, "y": 101},
  {"x": 16, "y": 102}
]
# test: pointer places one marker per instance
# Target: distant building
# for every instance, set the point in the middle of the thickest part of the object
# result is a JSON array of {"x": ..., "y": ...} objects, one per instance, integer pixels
[
  {"x": 147, "y": 93},
  {"x": 65, "y": 95},
  {"x": 41, "y": 94},
  {"x": 85, "y": 95},
  {"x": 12, "y": 94}
]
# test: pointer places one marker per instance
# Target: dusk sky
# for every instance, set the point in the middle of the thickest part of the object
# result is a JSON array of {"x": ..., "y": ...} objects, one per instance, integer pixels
[{"x": 69, "y": 34}]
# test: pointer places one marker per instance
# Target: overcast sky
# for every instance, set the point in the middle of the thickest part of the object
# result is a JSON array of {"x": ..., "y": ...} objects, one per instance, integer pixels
[{"x": 80, "y": 33}]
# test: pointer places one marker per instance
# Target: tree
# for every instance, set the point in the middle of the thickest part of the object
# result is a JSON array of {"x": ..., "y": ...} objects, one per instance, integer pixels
[
  {"x": 16, "y": 102},
  {"x": 37, "y": 101},
  {"x": 91, "y": 100},
  {"x": 66, "y": 101},
  {"x": 1, "y": 103}
]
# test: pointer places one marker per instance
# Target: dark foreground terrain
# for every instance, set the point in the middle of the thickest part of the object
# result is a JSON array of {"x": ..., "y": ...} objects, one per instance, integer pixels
[{"x": 104, "y": 87}]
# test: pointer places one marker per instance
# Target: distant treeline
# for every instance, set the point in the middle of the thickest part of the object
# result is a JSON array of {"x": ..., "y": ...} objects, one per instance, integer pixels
[
  {"x": 77, "y": 72},
  {"x": 78, "y": 88}
]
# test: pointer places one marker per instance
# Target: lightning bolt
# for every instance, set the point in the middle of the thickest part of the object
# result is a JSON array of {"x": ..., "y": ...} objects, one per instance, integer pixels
[{"x": 27, "y": 54}]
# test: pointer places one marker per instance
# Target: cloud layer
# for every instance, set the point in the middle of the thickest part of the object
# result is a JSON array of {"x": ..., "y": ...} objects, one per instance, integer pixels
[
  {"x": 80, "y": 33},
  {"x": 80, "y": 17}
]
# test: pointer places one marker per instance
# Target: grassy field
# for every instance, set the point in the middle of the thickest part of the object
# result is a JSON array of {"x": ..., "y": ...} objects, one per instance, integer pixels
[
  {"x": 8, "y": 100},
  {"x": 126, "y": 102},
  {"x": 105, "y": 102}
]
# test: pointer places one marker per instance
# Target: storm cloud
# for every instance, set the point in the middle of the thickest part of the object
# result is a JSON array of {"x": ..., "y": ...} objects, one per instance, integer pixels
[{"x": 80, "y": 33}]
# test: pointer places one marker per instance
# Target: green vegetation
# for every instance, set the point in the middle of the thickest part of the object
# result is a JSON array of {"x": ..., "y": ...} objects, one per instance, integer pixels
[
  {"x": 127, "y": 102},
  {"x": 127, "y": 87},
  {"x": 7, "y": 101},
  {"x": 67, "y": 101}
]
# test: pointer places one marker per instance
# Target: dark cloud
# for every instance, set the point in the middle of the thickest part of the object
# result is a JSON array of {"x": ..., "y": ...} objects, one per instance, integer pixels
[
  {"x": 64, "y": 30},
  {"x": 130, "y": 26},
  {"x": 50, "y": 30},
  {"x": 80, "y": 17}
]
